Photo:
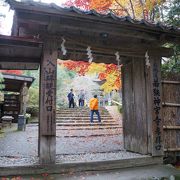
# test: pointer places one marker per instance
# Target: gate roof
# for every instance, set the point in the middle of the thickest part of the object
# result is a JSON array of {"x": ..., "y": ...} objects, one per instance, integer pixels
[{"x": 105, "y": 34}]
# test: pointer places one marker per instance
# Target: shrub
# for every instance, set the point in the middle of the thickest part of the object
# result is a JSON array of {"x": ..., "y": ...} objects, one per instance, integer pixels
[{"x": 33, "y": 110}]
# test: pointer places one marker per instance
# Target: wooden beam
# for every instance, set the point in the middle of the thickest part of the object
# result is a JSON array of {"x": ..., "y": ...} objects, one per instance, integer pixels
[
  {"x": 171, "y": 104},
  {"x": 59, "y": 24},
  {"x": 20, "y": 51},
  {"x": 113, "y": 44},
  {"x": 172, "y": 149},
  {"x": 107, "y": 59},
  {"x": 97, "y": 27},
  {"x": 171, "y": 127},
  {"x": 105, "y": 52},
  {"x": 15, "y": 65},
  {"x": 47, "y": 123},
  {"x": 69, "y": 17},
  {"x": 16, "y": 40},
  {"x": 170, "y": 82},
  {"x": 19, "y": 59}
]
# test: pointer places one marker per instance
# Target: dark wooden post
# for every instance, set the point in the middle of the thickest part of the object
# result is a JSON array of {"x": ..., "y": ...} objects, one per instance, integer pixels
[
  {"x": 47, "y": 123},
  {"x": 21, "y": 101},
  {"x": 154, "y": 107}
]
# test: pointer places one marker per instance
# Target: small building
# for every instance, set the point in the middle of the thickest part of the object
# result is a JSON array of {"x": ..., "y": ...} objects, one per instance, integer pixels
[{"x": 12, "y": 104}]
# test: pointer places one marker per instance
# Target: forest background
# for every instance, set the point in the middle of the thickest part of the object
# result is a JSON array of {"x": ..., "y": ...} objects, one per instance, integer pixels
[{"x": 103, "y": 78}]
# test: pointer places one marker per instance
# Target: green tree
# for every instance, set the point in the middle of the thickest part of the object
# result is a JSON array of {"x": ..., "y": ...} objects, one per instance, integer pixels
[
  {"x": 173, "y": 15},
  {"x": 64, "y": 79},
  {"x": 171, "y": 67}
]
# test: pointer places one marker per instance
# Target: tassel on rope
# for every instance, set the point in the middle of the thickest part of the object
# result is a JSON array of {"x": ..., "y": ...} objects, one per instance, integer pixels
[
  {"x": 118, "y": 60},
  {"x": 63, "y": 48},
  {"x": 89, "y": 53},
  {"x": 147, "y": 59}
]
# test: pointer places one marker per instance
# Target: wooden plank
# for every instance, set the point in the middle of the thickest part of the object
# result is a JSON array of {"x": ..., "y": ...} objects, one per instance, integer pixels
[
  {"x": 96, "y": 58},
  {"x": 20, "y": 41},
  {"x": 28, "y": 60},
  {"x": 171, "y": 93},
  {"x": 47, "y": 145},
  {"x": 56, "y": 23},
  {"x": 171, "y": 104},
  {"x": 177, "y": 138},
  {"x": 171, "y": 115},
  {"x": 171, "y": 127},
  {"x": 47, "y": 125},
  {"x": 110, "y": 53},
  {"x": 170, "y": 82},
  {"x": 139, "y": 91},
  {"x": 149, "y": 105},
  {"x": 172, "y": 149},
  {"x": 128, "y": 113},
  {"x": 134, "y": 107},
  {"x": 157, "y": 124},
  {"x": 19, "y": 65}
]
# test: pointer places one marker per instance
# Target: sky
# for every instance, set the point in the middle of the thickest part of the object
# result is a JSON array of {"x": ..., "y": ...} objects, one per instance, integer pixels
[{"x": 7, "y": 21}]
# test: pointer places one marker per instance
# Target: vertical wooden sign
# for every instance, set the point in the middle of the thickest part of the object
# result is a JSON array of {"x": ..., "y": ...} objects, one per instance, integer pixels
[
  {"x": 157, "y": 121},
  {"x": 47, "y": 126}
]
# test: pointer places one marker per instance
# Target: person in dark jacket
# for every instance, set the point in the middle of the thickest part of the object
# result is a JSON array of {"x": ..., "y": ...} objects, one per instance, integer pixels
[
  {"x": 81, "y": 98},
  {"x": 71, "y": 98}
]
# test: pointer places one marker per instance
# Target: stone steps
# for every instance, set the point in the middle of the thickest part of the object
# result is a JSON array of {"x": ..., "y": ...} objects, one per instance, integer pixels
[
  {"x": 79, "y": 114},
  {"x": 89, "y": 127},
  {"x": 80, "y": 118},
  {"x": 82, "y": 112},
  {"x": 87, "y": 124},
  {"x": 83, "y": 121}
]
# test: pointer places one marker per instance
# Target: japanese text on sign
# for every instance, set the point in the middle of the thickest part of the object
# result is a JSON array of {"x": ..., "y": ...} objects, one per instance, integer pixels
[
  {"x": 49, "y": 77},
  {"x": 157, "y": 107}
]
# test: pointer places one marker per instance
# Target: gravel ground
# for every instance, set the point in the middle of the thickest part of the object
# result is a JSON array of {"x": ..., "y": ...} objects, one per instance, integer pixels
[
  {"x": 88, "y": 157},
  {"x": 21, "y": 147},
  {"x": 25, "y": 143},
  {"x": 18, "y": 161}
]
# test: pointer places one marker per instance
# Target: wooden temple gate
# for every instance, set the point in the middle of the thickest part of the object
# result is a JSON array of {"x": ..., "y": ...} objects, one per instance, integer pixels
[{"x": 66, "y": 34}]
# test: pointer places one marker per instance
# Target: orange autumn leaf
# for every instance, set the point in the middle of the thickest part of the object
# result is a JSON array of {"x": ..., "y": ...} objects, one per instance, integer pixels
[
  {"x": 78, "y": 66},
  {"x": 100, "y": 4},
  {"x": 102, "y": 76}
]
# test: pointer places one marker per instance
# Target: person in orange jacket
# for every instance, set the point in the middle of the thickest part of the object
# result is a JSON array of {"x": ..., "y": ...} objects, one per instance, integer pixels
[{"x": 93, "y": 104}]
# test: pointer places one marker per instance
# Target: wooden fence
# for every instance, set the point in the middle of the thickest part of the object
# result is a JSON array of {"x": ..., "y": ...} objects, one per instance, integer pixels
[{"x": 171, "y": 116}]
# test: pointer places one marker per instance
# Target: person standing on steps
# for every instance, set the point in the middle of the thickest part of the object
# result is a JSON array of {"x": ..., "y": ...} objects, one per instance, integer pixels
[
  {"x": 81, "y": 98},
  {"x": 71, "y": 98},
  {"x": 93, "y": 105}
]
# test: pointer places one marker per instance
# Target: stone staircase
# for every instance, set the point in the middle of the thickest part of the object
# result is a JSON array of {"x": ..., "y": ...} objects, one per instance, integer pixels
[{"x": 79, "y": 118}]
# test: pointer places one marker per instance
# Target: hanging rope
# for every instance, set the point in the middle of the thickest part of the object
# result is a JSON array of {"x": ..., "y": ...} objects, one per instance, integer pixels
[
  {"x": 63, "y": 48},
  {"x": 147, "y": 59},
  {"x": 89, "y": 53},
  {"x": 118, "y": 60}
]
